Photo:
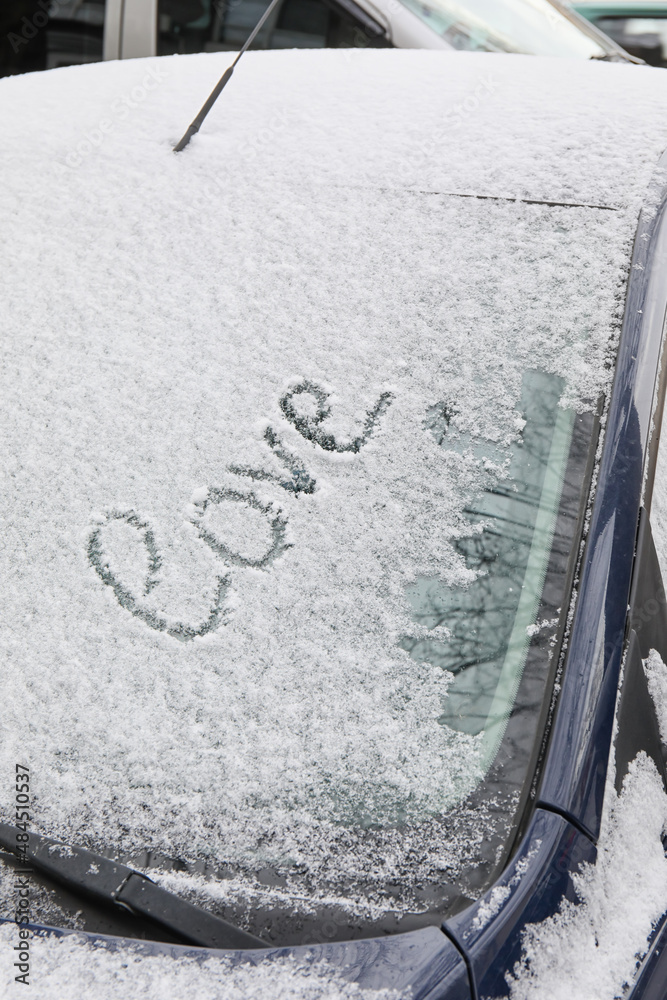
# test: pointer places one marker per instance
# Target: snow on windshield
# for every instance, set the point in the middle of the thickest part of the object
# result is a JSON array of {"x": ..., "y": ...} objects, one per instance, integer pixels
[{"x": 221, "y": 475}]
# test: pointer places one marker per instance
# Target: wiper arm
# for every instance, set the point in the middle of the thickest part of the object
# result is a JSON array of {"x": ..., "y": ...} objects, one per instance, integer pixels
[
  {"x": 619, "y": 57},
  {"x": 114, "y": 884}
]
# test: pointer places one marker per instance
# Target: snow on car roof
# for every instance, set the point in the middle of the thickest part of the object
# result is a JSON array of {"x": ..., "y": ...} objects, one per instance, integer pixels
[{"x": 217, "y": 369}]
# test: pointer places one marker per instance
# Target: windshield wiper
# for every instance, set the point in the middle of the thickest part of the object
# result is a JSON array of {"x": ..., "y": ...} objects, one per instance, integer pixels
[
  {"x": 618, "y": 57},
  {"x": 114, "y": 884}
]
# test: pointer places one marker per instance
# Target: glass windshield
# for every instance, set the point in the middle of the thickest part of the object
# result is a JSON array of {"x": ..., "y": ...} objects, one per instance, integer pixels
[
  {"x": 534, "y": 27},
  {"x": 495, "y": 642},
  {"x": 288, "y": 573},
  {"x": 213, "y": 25},
  {"x": 491, "y": 620}
]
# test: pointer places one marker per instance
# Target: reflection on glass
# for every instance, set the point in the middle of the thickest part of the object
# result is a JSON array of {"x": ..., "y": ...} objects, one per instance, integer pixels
[
  {"x": 490, "y": 621},
  {"x": 212, "y": 25},
  {"x": 36, "y": 35},
  {"x": 644, "y": 37},
  {"x": 534, "y": 27}
]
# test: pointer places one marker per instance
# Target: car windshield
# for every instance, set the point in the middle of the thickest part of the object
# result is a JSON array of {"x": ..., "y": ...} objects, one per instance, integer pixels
[
  {"x": 490, "y": 621},
  {"x": 296, "y": 470},
  {"x": 314, "y": 585},
  {"x": 534, "y": 27}
]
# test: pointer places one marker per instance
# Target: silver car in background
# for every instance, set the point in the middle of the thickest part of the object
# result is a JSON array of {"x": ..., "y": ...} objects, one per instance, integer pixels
[{"x": 46, "y": 34}]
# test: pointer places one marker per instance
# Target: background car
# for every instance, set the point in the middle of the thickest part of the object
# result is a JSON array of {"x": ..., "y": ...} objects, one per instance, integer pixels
[
  {"x": 66, "y": 32},
  {"x": 640, "y": 28},
  {"x": 329, "y": 445}
]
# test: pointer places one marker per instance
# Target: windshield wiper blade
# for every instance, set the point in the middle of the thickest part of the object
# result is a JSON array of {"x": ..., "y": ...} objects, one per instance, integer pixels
[{"x": 114, "y": 884}]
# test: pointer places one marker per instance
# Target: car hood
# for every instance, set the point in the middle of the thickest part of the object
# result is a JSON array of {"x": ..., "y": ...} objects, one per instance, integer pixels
[{"x": 494, "y": 125}]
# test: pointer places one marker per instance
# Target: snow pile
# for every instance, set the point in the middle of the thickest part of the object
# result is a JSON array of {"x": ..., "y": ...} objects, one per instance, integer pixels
[
  {"x": 68, "y": 968},
  {"x": 656, "y": 677},
  {"x": 491, "y": 906},
  {"x": 217, "y": 375},
  {"x": 590, "y": 951}
]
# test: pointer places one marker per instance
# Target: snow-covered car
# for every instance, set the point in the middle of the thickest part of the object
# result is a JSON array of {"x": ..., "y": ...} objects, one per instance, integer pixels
[
  {"x": 46, "y": 34},
  {"x": 333, "y": 629},
  {"x": 640, "y": 26}
]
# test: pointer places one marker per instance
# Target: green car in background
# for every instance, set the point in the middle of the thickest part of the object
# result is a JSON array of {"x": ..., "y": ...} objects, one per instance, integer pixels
[{"x": 640, "y": 28}]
